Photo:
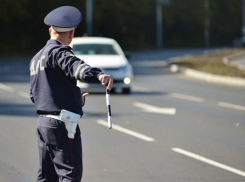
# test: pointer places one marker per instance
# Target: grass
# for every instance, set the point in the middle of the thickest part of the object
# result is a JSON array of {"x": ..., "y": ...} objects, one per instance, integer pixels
[{"x": 212, "y": 63}]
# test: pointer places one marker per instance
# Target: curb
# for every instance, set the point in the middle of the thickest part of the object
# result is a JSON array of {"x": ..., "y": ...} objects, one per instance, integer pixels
[
  {"x": 208, "y": 76},
  {"x": 234, "y": 59}
]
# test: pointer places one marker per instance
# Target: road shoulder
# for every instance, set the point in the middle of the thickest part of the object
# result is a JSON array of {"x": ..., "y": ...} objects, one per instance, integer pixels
[{"x": 235, "y": 81}]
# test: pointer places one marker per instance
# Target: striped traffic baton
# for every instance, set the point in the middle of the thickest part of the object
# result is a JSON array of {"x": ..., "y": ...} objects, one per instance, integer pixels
[{"x": 109, "y": 108}]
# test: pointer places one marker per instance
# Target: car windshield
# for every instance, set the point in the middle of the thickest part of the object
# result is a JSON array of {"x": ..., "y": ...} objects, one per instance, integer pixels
[{"x": 95, "y": 49}]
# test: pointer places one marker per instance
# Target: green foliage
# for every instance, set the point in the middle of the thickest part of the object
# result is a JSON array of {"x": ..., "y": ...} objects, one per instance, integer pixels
[
  {"x": 131, "y": 22},
  {"x": 184, "y": 23},
  {"x": 226, "y": 21}
]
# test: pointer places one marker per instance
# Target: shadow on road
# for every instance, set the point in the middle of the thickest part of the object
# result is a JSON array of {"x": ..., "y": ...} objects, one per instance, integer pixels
[
  {"x": 102, "y": 115},
  {"x": 14, "y": 70},
  {"x": 134, "y": 93},
  {"x": 17, "y": 109}
]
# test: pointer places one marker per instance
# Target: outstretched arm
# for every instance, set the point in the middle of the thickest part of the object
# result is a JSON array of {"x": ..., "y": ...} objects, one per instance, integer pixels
[{"x": 106, "y": 80}]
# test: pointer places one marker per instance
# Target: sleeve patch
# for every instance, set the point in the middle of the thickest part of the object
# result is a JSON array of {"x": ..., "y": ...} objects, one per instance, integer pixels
[{"x": 69, "y": 54}]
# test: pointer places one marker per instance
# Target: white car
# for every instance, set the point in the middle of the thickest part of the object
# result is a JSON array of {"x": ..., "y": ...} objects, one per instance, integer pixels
[{"x": 106, "y": 54}]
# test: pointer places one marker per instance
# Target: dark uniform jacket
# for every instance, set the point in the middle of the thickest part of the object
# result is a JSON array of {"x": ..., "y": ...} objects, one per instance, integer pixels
[{"x": 54, "y": 73}]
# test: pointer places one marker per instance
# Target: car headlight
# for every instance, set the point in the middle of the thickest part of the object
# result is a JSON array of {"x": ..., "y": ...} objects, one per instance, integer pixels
[{"x": 127, "y": 80}]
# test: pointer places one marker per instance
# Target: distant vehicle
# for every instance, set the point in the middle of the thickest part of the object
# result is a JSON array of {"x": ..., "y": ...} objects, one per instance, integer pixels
[{"x": 106, "y": 54}]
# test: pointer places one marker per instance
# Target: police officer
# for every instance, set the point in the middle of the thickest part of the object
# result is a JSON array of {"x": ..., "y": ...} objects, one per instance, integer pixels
[{"x": 54, "y": 73}]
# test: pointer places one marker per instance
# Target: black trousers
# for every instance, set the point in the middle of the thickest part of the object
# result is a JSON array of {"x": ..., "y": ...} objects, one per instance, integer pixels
[{"x": 60, "y": 158}]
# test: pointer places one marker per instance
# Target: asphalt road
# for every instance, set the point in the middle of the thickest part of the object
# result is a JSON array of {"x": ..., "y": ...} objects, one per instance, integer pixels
[{"x": 170, "y": 129}]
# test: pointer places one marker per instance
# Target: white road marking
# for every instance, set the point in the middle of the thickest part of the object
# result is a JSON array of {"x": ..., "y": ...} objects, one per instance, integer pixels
[
  {"x": 6, "y": 88},
  {"x": 154, "y": 109},
  {"x": 12, "y": 90},
  {"x": 232, "y": 106},
  {"x": 127, "y": 131},
  {"x": 23, "y": 94},
  {"x": 186, "y": 97},
  {"x": 209, "y": 161}
]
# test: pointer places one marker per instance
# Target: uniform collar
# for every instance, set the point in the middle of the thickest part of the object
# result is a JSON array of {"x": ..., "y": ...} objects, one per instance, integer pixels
[
  {"x": 57, "y": 42},
  {"x": 60, "y": 42},
  {"x": 53, "y": 41}
]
